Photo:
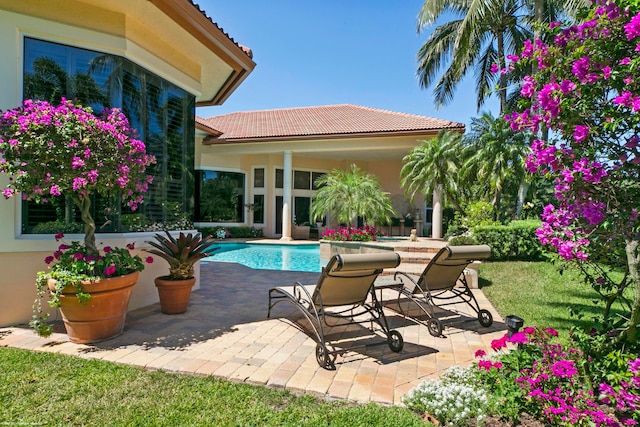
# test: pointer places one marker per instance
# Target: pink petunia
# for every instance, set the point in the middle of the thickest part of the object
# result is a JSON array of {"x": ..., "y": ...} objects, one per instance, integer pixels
[
  {"x": 110, "y": 270},
  {"x": 149, "y": 260},
  {"x": 480, "y": 353}
]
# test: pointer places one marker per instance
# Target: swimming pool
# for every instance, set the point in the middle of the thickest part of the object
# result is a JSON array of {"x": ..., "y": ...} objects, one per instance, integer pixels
[{"x": 270, "y": 256}]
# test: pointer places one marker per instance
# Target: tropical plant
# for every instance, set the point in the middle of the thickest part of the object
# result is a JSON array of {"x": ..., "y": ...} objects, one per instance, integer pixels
[
  {"x": 432, "y": 168},
  {"x": 351, "y": 194},
  {"x": 480, "y": 38},
  {"x": 181, "y": 253},
  {"x": 585, "y": 89},
  {"x": 65, "y": 151},
  {"x": 495, "y": 156}
]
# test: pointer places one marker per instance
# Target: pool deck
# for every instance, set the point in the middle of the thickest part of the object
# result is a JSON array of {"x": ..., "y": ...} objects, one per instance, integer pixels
[{"x": 226, "y": 334}]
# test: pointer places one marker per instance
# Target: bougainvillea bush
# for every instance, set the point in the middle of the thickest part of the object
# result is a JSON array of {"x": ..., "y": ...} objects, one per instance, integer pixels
[
  {"x": 64, "y": 150},
  {"x": 585, "y": 89},
  {"x": 529, "y": 374}
]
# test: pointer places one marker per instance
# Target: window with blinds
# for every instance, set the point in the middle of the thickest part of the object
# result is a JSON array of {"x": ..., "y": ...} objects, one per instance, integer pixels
[{"x": 162, "y": 113}]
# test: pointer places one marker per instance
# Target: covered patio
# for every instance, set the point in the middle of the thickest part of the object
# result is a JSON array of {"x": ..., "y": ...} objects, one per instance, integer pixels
[{"x": 226, "y": 334}]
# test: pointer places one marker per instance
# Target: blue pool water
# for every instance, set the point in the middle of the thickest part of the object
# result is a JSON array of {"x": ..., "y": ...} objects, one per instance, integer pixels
[{"x": 270, "y": 257}]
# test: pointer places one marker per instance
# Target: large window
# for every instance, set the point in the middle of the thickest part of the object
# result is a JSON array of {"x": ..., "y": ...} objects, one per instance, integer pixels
[
  {"x": 220, "y": 196},
  {"x": 162, "y": 114}
]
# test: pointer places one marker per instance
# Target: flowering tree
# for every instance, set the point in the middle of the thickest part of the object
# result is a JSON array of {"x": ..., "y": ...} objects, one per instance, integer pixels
[
  {"x": 585, "y": 88},
  {"x": 54, "y": 151}
]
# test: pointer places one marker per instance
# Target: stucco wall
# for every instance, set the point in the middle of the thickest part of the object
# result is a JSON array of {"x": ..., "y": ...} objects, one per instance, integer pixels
[{"x": 21, "y": 257}]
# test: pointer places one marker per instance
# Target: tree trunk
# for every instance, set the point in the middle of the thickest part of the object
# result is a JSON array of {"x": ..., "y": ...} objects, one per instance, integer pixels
[
  {"x": 84, "y": 205},
  {"x": 436, "y": 219},
  {"x": 502, "y": 90},
  {"x": 522, "y": 194},
  {"x": 632, "y": 260}
]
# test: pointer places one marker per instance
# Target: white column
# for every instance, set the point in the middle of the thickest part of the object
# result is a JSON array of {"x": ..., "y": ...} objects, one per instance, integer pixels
[
  {"x": 286, "y": 196},
  {"x": 436, "y": 221}
]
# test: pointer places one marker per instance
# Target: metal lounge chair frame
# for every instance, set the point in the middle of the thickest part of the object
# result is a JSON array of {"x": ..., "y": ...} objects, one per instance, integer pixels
[
  {"x": 438, "y": 283},
  {"x": 345, "y": 290}
]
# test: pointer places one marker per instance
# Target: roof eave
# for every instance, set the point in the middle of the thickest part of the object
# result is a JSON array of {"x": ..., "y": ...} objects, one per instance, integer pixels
[
  {"x": 196, "y": 23},
  {"x": 215, "y": 139}
]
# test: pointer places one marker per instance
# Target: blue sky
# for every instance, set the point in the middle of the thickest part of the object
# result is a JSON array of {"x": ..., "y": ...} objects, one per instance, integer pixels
[{"x": 332, "y": 52}]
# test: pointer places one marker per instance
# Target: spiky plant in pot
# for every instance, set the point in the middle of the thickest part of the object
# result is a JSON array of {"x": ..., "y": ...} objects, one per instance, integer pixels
[{"x": 181, "y": 253}]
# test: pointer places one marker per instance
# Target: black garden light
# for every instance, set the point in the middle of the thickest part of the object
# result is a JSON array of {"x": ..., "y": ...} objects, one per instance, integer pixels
[{"x": 514, "y": 323}]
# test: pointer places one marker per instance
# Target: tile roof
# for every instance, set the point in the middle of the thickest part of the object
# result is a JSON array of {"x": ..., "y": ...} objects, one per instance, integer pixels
[{"x": 330, "y": 120}]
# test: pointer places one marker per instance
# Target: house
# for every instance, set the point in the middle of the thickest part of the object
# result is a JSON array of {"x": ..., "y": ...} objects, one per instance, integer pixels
[
  {"x": 258, "y": 168},
  {"x": 155, "y": 59}
]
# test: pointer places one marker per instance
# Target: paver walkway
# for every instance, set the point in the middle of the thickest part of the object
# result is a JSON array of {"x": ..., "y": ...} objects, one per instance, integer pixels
[{"x": 225, "y": 333}]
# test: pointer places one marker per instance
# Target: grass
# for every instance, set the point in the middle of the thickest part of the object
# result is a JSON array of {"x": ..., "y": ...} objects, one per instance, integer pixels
[
  {"x": 538, "y": 293},
  {"x": 52, "y": 389}
]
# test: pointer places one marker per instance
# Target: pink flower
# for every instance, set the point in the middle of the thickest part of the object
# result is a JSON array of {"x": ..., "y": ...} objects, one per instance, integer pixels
[
  {"x": 499, "y": 343},
  {"x": 551, "y": 332},
  {"x": 480, "y": 353},
  {"x": 110, "y": 270},
  {"x": 518, "y": 338},
  {"x": 580, "y": 133},
  {"x": 78, "y": 256},
  {"x": 77, "y": 163},
  {"x": 55, "y": 191},
  {"x": 149, "y": 260},
  {"x": 107, "y": 249},
  {"x": 59, "y": 236},
  {"x": 632, "y": 29},
  {"x": 131, "y": 246},
  {"x": 49, "y": 259}
]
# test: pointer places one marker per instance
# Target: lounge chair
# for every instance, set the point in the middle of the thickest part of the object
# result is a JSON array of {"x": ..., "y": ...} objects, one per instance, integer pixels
[
  {"x": 443, "y": 279},
  {"x": 344, "y": 291}
]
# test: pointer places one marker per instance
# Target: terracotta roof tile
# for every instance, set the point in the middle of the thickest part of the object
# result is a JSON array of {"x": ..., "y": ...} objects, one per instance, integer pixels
[{"x": 343, "y": 119}]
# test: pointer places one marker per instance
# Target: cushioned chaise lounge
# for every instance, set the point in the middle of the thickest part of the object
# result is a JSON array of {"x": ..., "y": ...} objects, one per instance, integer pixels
[
  {"x": 344, "y": 292},
  {"x": 443, "y": 283}
]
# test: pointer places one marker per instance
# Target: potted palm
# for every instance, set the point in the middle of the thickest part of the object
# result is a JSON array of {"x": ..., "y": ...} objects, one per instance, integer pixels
[
  {"x": 181, "y": 254},
  {"x": 64, "y": 151}
]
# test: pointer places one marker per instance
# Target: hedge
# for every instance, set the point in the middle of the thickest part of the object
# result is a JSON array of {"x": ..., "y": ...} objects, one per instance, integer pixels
[{"x": 515, "y": 241}]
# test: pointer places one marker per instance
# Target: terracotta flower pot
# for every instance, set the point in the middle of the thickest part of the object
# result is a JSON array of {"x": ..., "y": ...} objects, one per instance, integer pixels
[
  {"x": 174, "y": 294},
  {"x": 104, "y": 315}
]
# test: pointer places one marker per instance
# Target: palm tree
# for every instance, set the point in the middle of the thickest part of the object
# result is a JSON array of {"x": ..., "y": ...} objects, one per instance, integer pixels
[
  {"x": 496, "y": 157},
  {"x": 482, "y": 33},
  {"x": 351, "y": 194},
  {"x": 432, "y": 168}
]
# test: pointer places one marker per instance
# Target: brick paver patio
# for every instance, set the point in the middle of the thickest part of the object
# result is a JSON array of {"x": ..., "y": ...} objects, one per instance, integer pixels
[{"x": 225, "y": 333}]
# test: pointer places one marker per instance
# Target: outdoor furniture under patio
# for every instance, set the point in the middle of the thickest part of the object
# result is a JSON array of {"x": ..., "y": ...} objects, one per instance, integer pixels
[
  {"x": 443, "y": 280},
  {"x": 345, "y": 292}
]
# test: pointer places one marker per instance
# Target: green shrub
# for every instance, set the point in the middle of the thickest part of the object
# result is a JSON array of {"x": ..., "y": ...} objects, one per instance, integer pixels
[
  {"x": 55, "y": 227},
  {"x": 514, "y": 241},
  {"x": 464, "y": 239},
  {"x": 232, "y": 232},
  {"x": 477, "y": 214}
]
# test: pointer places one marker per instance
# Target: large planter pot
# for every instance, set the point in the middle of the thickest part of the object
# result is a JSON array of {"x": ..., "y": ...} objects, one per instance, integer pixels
[
  {"x": 174, "y": 294},
  {"x": 104, "y": 315}
]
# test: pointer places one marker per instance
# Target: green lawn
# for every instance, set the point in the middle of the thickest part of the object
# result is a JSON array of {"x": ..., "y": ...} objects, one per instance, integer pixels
[
  {"x": 50, "y": 389},
  {"x": 55, "y": 390},
  {"x": 538, "y": 293}
]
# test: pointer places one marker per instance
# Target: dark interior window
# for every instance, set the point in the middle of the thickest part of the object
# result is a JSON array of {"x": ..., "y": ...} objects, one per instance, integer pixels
[{"x": 162, "y": 114}]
